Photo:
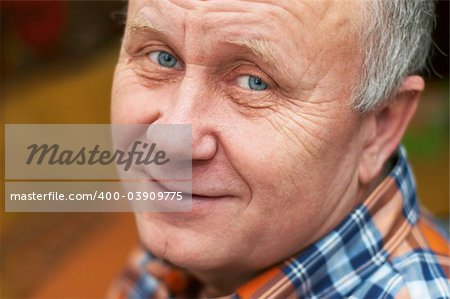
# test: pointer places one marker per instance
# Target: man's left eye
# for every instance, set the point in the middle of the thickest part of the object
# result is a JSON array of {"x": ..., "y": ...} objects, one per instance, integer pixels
[
  {"x": 252, "y": 82},
  {"x": 164, "y": 59}
]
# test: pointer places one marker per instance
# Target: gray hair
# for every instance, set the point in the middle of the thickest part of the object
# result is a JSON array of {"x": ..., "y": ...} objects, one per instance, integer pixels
[{"x": 396, "y": 36}]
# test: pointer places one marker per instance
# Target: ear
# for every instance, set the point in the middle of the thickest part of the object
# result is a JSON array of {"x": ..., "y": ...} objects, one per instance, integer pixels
[{"x": 387, "y": 126}]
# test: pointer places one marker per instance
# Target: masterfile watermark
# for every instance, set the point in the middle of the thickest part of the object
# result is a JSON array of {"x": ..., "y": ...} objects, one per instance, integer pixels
[
  {"x": 52, "y": 154},
  {"x": 120, "y": 167}
]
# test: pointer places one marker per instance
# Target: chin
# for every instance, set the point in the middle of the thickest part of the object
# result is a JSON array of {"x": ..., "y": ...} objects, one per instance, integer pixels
[{"x": 184, "y": 246}]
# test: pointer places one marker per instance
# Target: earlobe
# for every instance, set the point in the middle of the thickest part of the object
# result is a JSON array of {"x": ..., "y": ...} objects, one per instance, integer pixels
[{"x": 388, "y": 124}]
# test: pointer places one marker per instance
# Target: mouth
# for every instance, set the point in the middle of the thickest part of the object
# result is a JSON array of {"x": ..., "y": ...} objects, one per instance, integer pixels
[
  {"x": 185, "y": 188},
  {"x": 201, "y": 198}
]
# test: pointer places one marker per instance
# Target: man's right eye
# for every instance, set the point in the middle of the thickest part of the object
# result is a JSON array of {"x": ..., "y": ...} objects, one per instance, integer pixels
[{"x": 164, "y": 59}]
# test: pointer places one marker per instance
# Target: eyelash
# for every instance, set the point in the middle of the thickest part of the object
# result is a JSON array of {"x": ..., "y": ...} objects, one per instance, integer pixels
[{"x": 243, "y": 69}]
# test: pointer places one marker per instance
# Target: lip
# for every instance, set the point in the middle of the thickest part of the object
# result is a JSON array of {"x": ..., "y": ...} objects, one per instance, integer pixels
[
  {"x": 204, "y": 198},
  {"x": 200, "y": 204},
  {"x": 174, "y": 187}
]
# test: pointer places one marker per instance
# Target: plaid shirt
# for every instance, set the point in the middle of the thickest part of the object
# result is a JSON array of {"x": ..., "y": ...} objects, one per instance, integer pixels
[{"x": 385, "y": 248}]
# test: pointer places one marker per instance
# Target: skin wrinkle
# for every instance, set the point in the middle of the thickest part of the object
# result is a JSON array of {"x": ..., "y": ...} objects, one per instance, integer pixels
[
  {"x": 300, "y": 119},
  {"x": 280, "y": 127},
  {"x": 168, "y": 78},
  {"x": 220, "y": 8},
  {"x": 283, "y": 8},
  {"x": 304, "y": 141}
]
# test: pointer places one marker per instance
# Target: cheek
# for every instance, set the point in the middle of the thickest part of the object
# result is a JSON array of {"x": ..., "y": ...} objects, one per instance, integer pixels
[
  {"x": 298, "y": 164},
  {"x": 270, "y": 157}
]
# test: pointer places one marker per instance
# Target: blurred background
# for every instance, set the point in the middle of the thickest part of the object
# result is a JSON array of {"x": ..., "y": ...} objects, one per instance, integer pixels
[{"x": 57, "y": 61}]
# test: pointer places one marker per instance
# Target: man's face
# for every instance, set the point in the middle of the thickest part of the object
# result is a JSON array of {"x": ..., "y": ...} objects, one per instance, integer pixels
[{"x": 266, "y": 86}]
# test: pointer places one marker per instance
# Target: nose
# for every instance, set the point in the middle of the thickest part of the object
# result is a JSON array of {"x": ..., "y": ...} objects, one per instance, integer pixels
[{"x": 188, "y": 107}]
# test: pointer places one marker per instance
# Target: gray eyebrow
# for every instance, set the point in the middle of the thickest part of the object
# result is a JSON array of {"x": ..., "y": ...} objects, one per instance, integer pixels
[
  {"x": 141, "y": 22},
  {"x": 259, "y": 47}
]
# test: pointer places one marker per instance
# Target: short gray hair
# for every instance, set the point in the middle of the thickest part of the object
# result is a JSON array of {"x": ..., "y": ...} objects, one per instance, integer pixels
[{"x": 396, "y": 38}]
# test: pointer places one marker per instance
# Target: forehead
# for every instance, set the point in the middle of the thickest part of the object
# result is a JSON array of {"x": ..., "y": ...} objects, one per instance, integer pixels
[
  {"x": 296, "y": 20},
  {"x": 289, "y": 13}
]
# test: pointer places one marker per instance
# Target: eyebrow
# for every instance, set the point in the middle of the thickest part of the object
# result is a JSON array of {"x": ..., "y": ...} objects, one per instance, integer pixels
[
  {"x": 143, "y": 23},
  {"x": 259, "y": 47}
]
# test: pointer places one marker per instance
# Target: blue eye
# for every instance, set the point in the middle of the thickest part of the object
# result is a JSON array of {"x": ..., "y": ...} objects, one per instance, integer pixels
[
  {"x": 252, "y": 82},
  {"x": 164, "y": 59}
]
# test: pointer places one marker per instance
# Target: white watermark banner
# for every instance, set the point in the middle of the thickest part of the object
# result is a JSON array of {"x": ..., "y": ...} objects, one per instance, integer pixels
[{"x": 98, "y": 168}]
